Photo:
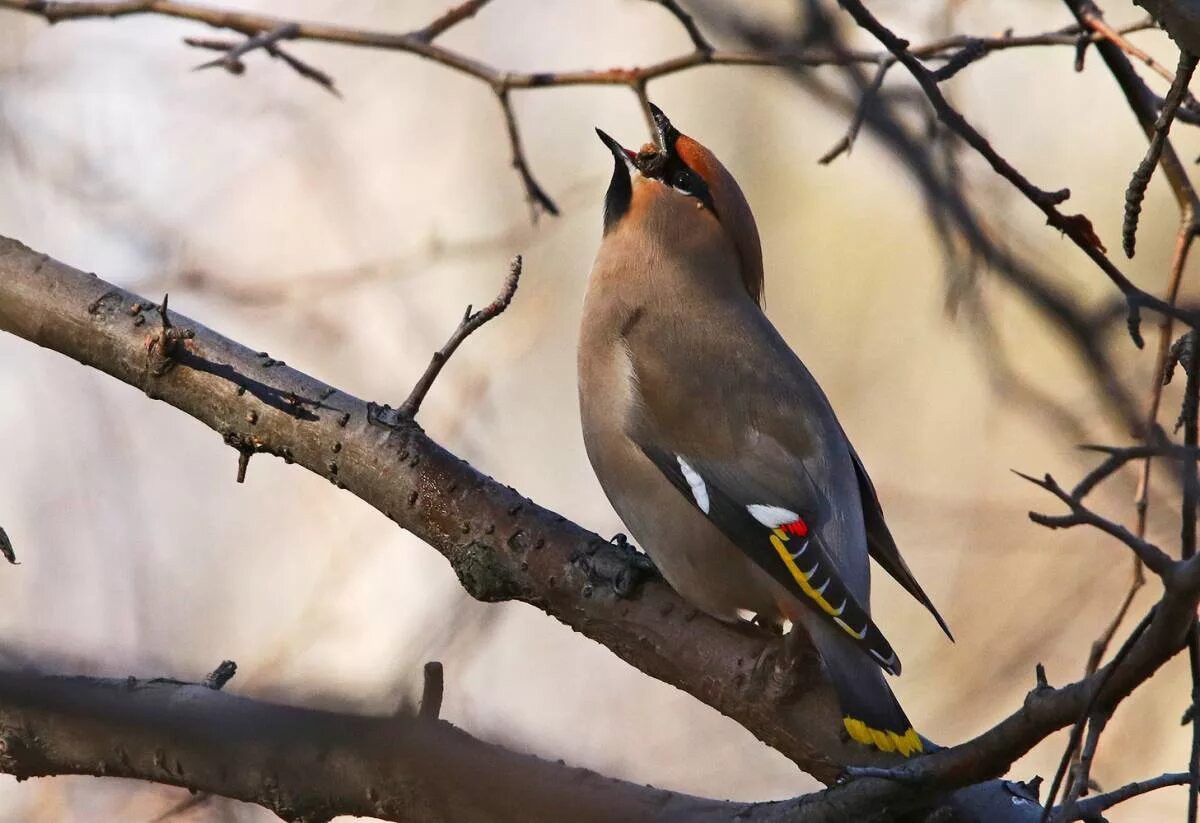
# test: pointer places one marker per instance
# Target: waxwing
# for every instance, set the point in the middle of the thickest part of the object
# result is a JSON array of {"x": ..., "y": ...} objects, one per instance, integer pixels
[{"x": 711, "y": 439}]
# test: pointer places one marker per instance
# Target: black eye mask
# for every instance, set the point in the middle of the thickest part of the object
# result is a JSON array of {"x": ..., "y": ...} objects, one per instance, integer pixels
[{"x": 672, "y": 171}]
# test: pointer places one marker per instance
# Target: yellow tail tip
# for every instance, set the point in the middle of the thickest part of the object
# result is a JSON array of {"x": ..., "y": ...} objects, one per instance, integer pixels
[{"x": 906, "y": 744}]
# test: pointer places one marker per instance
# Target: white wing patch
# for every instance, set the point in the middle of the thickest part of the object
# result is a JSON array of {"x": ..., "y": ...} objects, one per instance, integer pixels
[
  {"x": 771, "y": 516},
  {"x": 695, "y": 483}
]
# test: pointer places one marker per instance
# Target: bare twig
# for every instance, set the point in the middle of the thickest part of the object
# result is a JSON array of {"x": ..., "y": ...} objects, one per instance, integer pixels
[
  {"x": 1162, "y": 126},
  {"x": 1155, "y": 558},
  {"x": 1081, "y": 781},
  {"x": 973, "y": 51},
  {"x": 1089, "y": 708},
  {"x": 305, "y": 70},
  {"x": 231, "y": 61},
  {"x": 535, "y": 195},
  {"x": 263, "y": 31},
  {"x": 846, "y": 143},
  {"x": 1092, "y": 808},
  {"x": 469, "y": 323},
  {"x": 689, "y": 25},
  {"x": 452, "y": 17}
]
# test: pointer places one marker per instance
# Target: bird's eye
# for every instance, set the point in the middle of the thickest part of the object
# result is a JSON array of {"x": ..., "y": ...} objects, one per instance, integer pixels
[{"x": 682, "y": 181}]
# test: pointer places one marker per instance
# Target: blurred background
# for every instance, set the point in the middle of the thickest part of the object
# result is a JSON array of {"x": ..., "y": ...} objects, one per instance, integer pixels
[{"x": 346, "y": 236}]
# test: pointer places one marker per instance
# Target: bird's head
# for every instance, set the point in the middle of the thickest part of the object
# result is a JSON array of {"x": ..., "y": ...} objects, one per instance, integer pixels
[{"x": 678, "y": 184}]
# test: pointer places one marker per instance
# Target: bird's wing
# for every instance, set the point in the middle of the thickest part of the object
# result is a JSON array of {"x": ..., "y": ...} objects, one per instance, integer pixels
[
  {"x": 883, "y": 546},
  {"x": 778, "y": 525}
]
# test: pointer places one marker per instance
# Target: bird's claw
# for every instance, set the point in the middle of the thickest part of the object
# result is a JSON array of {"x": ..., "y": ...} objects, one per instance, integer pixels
[
  {"x": 617, "y": 564},
  {"x": 637, "y": 569}
]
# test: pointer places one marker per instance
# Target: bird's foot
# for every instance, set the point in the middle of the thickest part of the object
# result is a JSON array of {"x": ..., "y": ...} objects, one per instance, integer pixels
[
  {"x": 619, "y": 565},
  {"x": 638, "y": 568},
  {"x": 777, "y": 667}
]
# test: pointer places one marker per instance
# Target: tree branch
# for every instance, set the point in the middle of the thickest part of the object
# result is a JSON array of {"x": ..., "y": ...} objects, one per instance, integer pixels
[
  {"x": 310, "y": 765},
  {"x": 262, "y": 32},
  {"x": 470, "y": 322}
]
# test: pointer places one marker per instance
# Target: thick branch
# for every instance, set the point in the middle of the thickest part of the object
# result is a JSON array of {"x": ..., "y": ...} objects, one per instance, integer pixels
[{"x": 312, "y": 765}]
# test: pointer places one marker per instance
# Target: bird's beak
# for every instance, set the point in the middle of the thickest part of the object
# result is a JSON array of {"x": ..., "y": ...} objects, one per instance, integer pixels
[
  {"x": 622, "y": 154},
  {"x": 665, "y": 134}
]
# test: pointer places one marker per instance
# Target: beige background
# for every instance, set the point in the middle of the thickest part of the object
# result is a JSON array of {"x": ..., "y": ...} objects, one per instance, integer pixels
[{"x": 347, "y": 235}]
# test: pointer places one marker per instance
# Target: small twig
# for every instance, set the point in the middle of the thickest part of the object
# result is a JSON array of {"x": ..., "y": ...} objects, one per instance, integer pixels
[
  {"x": 535, "y": 195},
  {"x": 305, "y": 70},
  {"x": 1077, "y": 730},
  {"x": 1093, "y": 807},
  {"x": 432, "y": 691},
  {"x": 846, "y": 143},
  {"x": 1136, "y": 191},
  {"x": 968, "y": 54},
  {"x": 689, "y": 25},
  {"x": 1119, "y": 39},
  {"x": 1081, "y": 781},
  {"x": 222, "y": 674},
  {"x": 231, "y": 60},
  {"x": 470, "y": 322},
  {"x": 6, "y": 548},
  {"x": 1119, "y": 456},
  {"x": 1155, "y": 558},
  {"x": 452, "y": 17},
  {"x": 1100, "y": 644}
]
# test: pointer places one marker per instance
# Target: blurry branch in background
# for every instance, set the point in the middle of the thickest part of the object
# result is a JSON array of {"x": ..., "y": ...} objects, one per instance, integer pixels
[
  {"x": 265, "y": 32},
  {"x": 964, "y": 236},
  {"x": 311, "y": 765}
]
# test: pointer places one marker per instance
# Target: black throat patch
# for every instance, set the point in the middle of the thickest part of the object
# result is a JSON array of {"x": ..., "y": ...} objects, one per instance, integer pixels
[{"x": 620, "y": 193}]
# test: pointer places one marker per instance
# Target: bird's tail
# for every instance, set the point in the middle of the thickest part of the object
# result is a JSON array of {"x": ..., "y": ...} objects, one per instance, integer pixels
[{"x": 870, "y": 711}]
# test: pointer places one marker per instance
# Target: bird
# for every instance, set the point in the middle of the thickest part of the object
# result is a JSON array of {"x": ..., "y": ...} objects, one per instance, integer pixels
[{"x": 712, "y": 440}]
